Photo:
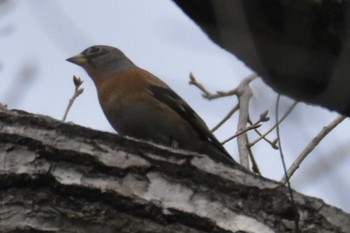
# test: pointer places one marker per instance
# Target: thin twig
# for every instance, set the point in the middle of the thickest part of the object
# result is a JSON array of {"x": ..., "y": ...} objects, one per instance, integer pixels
[
  {"x": 315, "y": 141},
  {"x": 206, "y": 94},
  {"x": 228, "y": 116},
  {"x": 263, "y": 118},
  {"x": 295, "y": 208},
  {"x": 77, "y": 91},
  {"x": 240, "y": 133},
  {"x": 200, "y": 86},
  {"x": 263, "y": 136},
  {"x": 272, "y": 143},
  {"x": 255, "y": 166},
  {"x": 243, "y": 93}
]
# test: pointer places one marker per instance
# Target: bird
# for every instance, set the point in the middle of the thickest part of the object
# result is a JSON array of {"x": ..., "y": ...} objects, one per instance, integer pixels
[{"x": 140, "y": 105}]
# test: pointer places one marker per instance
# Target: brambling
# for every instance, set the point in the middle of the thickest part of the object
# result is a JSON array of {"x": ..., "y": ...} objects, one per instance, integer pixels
[{"x": 138, "y": 104}]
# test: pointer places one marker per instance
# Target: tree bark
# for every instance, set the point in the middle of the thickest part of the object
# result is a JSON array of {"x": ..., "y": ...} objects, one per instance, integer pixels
[{"x": 57, "y": 177}]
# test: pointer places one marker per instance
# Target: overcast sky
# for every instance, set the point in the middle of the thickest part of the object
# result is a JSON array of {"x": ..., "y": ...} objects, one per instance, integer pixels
[{"x": 37, "y": 36}]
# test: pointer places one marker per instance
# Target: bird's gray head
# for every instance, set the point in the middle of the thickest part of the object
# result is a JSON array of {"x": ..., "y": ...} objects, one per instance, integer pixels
[{"x": 102, "y": 58}]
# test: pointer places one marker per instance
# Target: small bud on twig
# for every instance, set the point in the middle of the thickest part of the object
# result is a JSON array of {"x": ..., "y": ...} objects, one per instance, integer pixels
[{"x": 78, "y": 91}]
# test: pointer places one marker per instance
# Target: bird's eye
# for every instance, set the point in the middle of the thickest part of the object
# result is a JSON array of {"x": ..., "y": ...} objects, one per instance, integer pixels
[{"x": 92, "y": 50}]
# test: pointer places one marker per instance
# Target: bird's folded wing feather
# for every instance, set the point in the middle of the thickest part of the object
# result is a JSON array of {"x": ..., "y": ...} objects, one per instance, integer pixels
[{"x": 175, "y": 102}]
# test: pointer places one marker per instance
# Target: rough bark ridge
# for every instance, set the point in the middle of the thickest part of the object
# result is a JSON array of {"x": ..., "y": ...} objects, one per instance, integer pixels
[{"x": 57, "y": 177}]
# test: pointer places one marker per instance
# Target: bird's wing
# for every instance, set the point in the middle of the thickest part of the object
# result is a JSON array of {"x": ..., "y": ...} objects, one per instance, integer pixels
[{"x": 175, "y": 102}]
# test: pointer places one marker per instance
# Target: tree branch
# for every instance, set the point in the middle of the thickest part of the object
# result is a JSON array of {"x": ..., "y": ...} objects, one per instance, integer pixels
[{"x": 57, "y": 177}]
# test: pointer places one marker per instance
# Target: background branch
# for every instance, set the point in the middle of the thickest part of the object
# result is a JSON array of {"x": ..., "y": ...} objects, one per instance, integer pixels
[{"x": 312, "y": 145}]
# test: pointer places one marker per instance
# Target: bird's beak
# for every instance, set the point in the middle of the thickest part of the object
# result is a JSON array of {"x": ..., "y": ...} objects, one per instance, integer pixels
[{"x": 79, "y": 59}]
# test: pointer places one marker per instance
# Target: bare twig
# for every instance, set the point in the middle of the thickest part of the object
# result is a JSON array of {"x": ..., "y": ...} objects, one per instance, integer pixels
[
  {"x": 200, "y": 86},
  {"x": 244, "y": 93},
  {"x": 206, "y": 94},
  {"x": 255, "y": 166},
  {"x": 263, "y": 118},
  {"x": 263, "y": 136},
  {"x": 241, "y": 132},
  {"x": 294, "y": 206},
  {"x": 228, "y": 116},
  {"x": 272, "y": 143},
  {"x": 77, "y": 91},
  {"x": 315, "y": 141}
]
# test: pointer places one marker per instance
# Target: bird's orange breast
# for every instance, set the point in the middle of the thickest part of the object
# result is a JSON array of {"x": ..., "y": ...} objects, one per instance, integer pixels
[{"x": 123, "y": 87}]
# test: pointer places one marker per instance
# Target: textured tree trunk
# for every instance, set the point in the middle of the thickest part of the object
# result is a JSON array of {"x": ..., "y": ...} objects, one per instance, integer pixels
[{"x": 57, "y": 177}]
